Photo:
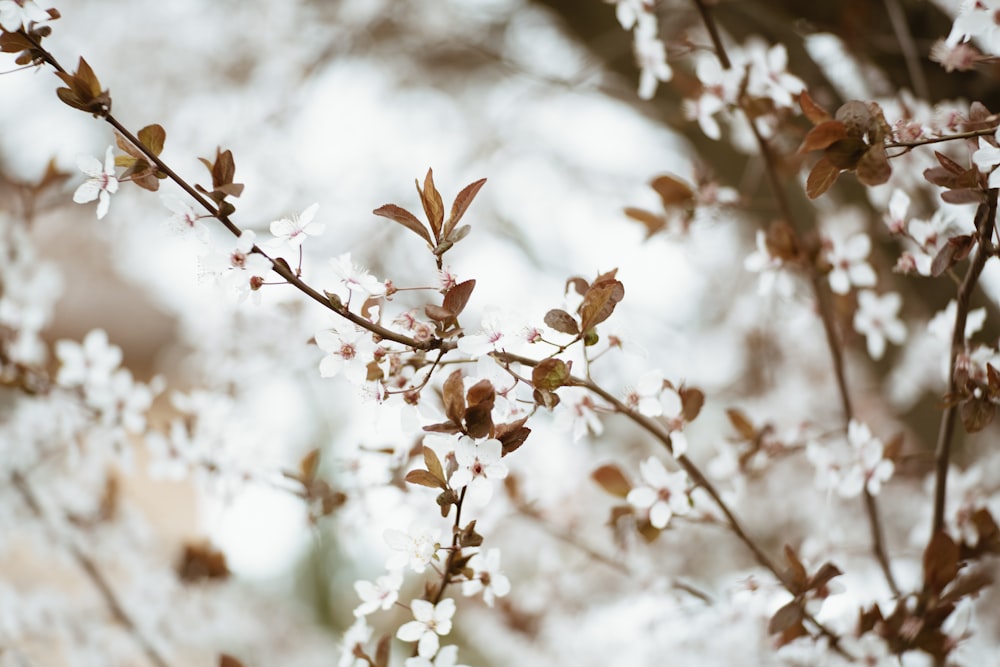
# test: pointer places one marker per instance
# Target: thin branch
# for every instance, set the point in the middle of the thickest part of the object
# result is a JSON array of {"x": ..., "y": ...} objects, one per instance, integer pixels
[
  {"x": 96, "y": 577},
  {"x": 905, "y": 38},
  {"x": 985, "y": 222},
  {"x": 971, "y": 134}
]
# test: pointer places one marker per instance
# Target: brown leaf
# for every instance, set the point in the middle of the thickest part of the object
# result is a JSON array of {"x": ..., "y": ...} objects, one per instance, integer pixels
[
  {"x": 550, "y": 374},
  {"x": 460, "y": 205},
  {"x": 424, "y": 478},
  {"x": 562, "y": 321},
  {"x": 823, "y": 175},
  {"x": 786, "y": 617},
  {"x": 226, "y": 660},
  {"x": 512, "y": 435},
  {"x": 940, "y": 562},
  {"x": 612, "y": 480},
  {"x": 977, "y": 414},
  {"x": 454, "y": 397},
  {"x": 814, "y": 112},
  {"x": 955, "y": 250},
  {"x": 382, "y": 651},
  {"x": 796, "y": 571},
  {"x": 309, "y": 464},
  {"x": 826, "y": 572},
  {"x": 949, "y": 164},
  {"x": 479, "y": 414},
  {"x": 874, "y": 167},
  {"x": 201, "y": 561},
  {"x": 651, "y": 221},
  {"x": 741, "y": 423},
  {"x": 672, "y": 191},
  {"x": 433, "y": 205},
  {"x": 692, "y": 401},
  {"x": 405, "y": 218},
  {"x": 823, "y": 136},
  {"x": 968, "y": 585},
  {"x": 433, "y": 464},
  {"x": 964, "y": 196},
  {"x": 457, "y": 297},
  {"x": 599, "y": 302},
  {"x": 438, "y": 313},
  {"x": 153, "y": 137},
  {"x": 846, "y": 153}
]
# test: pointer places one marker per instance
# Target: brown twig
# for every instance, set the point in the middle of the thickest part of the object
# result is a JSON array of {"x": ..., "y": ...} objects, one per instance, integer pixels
[
  {"x": 909, "y": 48},
  {"x": 985, "y": 223}
]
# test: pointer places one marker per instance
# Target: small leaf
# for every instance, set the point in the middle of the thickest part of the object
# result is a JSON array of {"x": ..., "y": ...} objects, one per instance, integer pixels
[
  {"x": 612, "y": 480},
  {"x": 433, "y": 464},
  {"x": 153, "y": 137},
  {"x": 382, "y": 651},
  {"x": 512, "y": 435},
  {"x": 454, "y": 397},
  {"x": 940, "y": 562},
  {"x": 785, "y": 618},
  {"x": 651, "y": 221},
  {"x": 846, "y": 153},
  {"x": 823, "y": 175},
  {"x": 949, "y": 164},
  {"x": 562, "y": 321},
  {"x": 741, "y": 423},
  {"x": 309, "y": 465},
  {"x": 424, "y": 478},
  {"x": 433, "y": 206},
  {"x": 873, "y": 167},
  {"x": 823, "y": 136},
  {"x": 977, "y": 414},
  {"x": 550, "y": 374},
  {"x": 457, "y": 297},
  {"x": 964, "y": 196},
  {"x": 811, "y": 110},
  {"x": 796, "y": 571},
  {"x": 226, "y": 660},
  {"x": 672, "y": 191},
  {"x": 955, "y": 250},
  {"x": 438, "y": 313},
  {"x": 599, "y": 302},
  {"x": 692, "y": 401},
  {"x": 826, "y": 572},
  {"x": 405, "y": 218},
  {"x": 460, "y": 205}
]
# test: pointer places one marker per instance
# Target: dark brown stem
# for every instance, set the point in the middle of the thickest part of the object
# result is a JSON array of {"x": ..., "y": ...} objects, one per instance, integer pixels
[
  {"x": 971, "y": 134},
  {"x": 909, "y": 48},
  {"x": 95, "y": 575},
  {"x": 985, "y": 223}
]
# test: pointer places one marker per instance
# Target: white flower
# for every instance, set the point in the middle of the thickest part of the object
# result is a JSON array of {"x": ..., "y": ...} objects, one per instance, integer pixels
[
  {"x": 89, "y": 364},
  {"x": 415, "y": 549},
  {"x": 858, "y": 466},
  {"x": 850, "y": 265},
  {"x": 294, "y": 230},
  {"x": 379, "y": 595},
  {"x": 430, "y": 621},
  {"x": 185, "y": 219},
  {"x": 877, "y": 319},
  {"x": 646, "y": 396},
  {"x": 651, "y": 56},
  {"x": 349, "y": 351},
  {"x": 478, "y": 463},
  {"x": 17, "y": 14},
  {"x": 899, "y": 204},
  {"x": 576, "y": 412},
  {"x": 986, "y": 158},
  {"x": 355, "y": 278},
  {"x": 101, "y": 184},
  {"x": 664, "y": 494},
  {"x": 494, "y": 335},
  {"x": 774, "y": 278},
  {"x": 356, "y": 635},
  {"x": 487, "y": 577},
  {"x": 769, "y": 76},
  {"x": 446, "y": 657}
]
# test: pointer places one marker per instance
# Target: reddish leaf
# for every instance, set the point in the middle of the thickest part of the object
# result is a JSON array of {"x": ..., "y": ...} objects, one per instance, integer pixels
[
  {"x": 823, "y": 135},
  {"x": 967, "y": 585},
  {"x": 940, "y": 562},
  {"x": 226, "y": 660},
  {"x": 612, "y": 480},
  {"x": 964, "y": 196},
  {"x": 692, "y": 401},
  {"x": 811, "y": 110},
  {"x": 672, "y": 191},
  {"x": 461, "y": 204},
  {"x": 949, "y": 164},
  {"x": 433, "y": 205},
  {"x": 826, "y": 572},
  {"x": 478, "y": 416},
  {"x": 405, "y": 218},
  {"x": 309, "y": 465},
  {"x": 599, "y": 302},
  {"x": 458, "y": 296},
  {"x": 651, "y": 221},
  {"x": 512, "y": 435},
  {"x": 741, "y": 423},
  {"x": 823, "y": 175},
  {"x": 796, "y": 571},
  {"x": 873, "y": 167},
  {"x": 438, "y": 313},
  {"x": 977, "y": 414},
  {"x": 785, "y": 618},
  {"x": 955, "y": 250},
  {"x": 846, "y": 153},
  {"x": 562, "y": 321},
  {"x": 550, "y": 374},
  {"x": 454, "y": 397},
  {"x": 382, "y": 651}
]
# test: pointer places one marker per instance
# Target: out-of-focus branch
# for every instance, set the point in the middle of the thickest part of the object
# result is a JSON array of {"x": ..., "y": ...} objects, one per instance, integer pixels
[{"x": 97, "y": 578}]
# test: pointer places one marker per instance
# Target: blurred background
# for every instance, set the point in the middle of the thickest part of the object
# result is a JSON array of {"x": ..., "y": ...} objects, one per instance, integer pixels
[{"x": 344, "y": 103}]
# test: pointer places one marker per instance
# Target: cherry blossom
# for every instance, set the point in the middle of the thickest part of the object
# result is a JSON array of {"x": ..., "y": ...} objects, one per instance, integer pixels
[
  {"x": 430, "y": 620},
  {"x": 381, "y": 594},
  {"x": 861, "y": 465},
  {"x": 185, "y": 219},
  {"x": 576, "y": 413},
  {"x": 89, "y": 364},
  {"x": 494, "y": 336},
  {"x": 988, "y": 157},
  {"x": 414, "y": 549},
  {"x": 101, "y": 184},
  {"x": 293, "y": 230},
  {"x": 478, "y": 464},
  {"x": 646, "y": 396},
  {"x": 663, "y": 495},
  {"x": 850, "y": 265},
  {"x": 17, "y": 14},
  {"x": 349, "y": 351},
  {"x": 355, "y": 278},
  {"x": 977, "y": 19},
  {"x": 356, "y": 635},
  {"x": 877, "y": 319},
  {"x": 774, "y": 276},
  {"x": 651, "y": 55},
  {"x": 487, "y": 577}
]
